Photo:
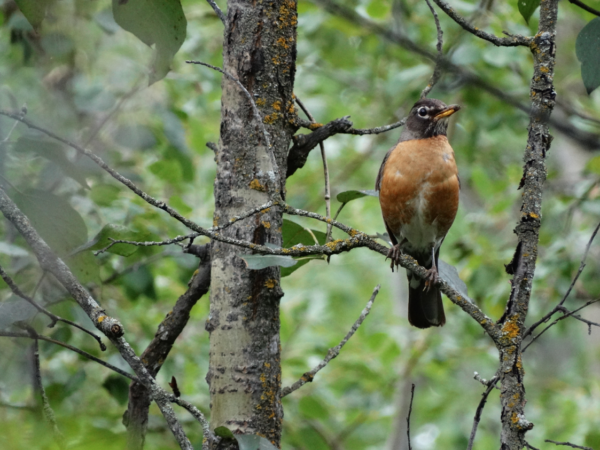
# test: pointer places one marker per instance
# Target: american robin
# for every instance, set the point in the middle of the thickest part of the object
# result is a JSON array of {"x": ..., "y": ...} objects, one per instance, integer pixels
[{"x": 418, "y": 191}]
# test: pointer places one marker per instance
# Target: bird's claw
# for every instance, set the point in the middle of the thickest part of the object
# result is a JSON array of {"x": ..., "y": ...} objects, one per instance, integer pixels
[
  {"x": 394, "y": 254},
  {"x": 431, "y": 278}
]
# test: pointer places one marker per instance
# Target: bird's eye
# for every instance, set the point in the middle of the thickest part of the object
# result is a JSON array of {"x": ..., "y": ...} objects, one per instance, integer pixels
[{"x": 422, "y": 111}]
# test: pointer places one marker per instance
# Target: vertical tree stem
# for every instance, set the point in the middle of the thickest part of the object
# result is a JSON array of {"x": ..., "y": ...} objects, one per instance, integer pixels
[{"x": 512, "y": 396}]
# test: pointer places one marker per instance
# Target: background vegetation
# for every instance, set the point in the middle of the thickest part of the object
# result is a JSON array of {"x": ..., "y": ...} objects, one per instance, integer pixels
[{"x": 85, "y": 78}]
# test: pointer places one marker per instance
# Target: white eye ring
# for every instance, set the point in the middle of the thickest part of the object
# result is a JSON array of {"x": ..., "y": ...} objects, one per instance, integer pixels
[{"x": 422, "y": 111}]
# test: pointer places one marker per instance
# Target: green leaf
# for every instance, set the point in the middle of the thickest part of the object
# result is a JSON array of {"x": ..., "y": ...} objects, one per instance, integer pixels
[
  {"x": 257, "y": 262},
  {"x": 348, "y": 196},
  {"x": 118, "y": 387},
  {"x": 527, "y": 8},
  {"x": 34, "y": 10},
  {"x": 139, "y": 282},
  {"x": 293, "y": 234},
  {"x": 55, "y": 220},
  {"x": 587, "y": 48},
  {"x": 52, "y": 151},
  {"x": 253, "y": 442},
  {"x": 593, "y": 165},
  {"x": 116, "y": 232},
  {"x": 104, "y": 194},
  {"x": 224, "y": 432},
  {"x": 155, "y": 22},
  {"x": 167, "y": 169},
  {"x": 312, "y": 408}
]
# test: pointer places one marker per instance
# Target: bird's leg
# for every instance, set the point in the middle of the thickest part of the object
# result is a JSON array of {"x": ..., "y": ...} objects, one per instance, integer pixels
[{"x": 431, "y": 276}]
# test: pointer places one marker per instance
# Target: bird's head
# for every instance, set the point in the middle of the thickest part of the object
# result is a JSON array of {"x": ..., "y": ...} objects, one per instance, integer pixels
[{"x": 428, "y": 117}]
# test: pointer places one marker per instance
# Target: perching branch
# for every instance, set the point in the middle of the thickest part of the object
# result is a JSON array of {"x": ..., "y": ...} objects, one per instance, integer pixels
[
  {"x": 510, "y": 41},
  {"x": 333, "y": 351},
  {"x": 217, "y": 11}
]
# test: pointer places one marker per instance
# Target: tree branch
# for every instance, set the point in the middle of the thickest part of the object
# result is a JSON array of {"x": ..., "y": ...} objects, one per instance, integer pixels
[
  {"x": 73, "y": 349},
  {"x": 437, "y": 70},
  {"x": 511, "y": 41},
  {"x": 588, "y": 9},
  {"x": 15, "y": 289},
  {"x": 333, "y": 351},
  {"x": 412, "y": 396},
  {"x": 568, "y": 444},
  {"x": 217, "y": 11},
  {"x": 110, "y": 326}
]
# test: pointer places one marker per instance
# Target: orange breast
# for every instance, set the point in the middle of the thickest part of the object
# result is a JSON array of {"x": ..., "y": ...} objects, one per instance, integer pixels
[{"x": 419, "y": 190}]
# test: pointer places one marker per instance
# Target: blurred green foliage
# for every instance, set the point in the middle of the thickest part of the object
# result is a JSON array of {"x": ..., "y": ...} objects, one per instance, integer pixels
[{"x": 85, "y": 79}]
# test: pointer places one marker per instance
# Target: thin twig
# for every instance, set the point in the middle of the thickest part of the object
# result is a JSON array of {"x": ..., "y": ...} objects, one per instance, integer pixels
[
  {"x": 47, "y": 409},
  {"x": 15, "y": 289},
  {"x": 529, "y": 446},
  {"x": 376, "y": 130},
  {"x": 568, "y": 444},
  {"x": 255, "y": 111},
  {"x": 412, "y": 396},
  {"x": 566, "y": 313},
  {"x": 511, "y": 41},
  {"x": 437, "y": 69},
  {"x": 547, "y": 317},
  {"x": 325, "y": 172},
  {"x": 73, "y": 349},
  {"x": 477, "y": 418},
  {"x": 333, "y": 351},
  {"x": 199, "y": 417},
  {"x": 218, "y": 11},
  {"x": 586, "y": 8}
]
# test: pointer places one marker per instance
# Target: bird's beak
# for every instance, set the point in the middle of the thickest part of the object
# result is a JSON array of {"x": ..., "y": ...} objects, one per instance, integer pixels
[{"x": 446, "y": 112}]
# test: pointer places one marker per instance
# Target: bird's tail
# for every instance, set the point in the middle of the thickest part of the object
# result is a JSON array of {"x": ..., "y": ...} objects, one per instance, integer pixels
[{"x": 425, "y": 308}]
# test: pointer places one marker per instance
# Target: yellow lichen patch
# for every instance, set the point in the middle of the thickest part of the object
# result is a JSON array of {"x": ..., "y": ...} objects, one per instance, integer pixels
[
  {"x": 544, "y": 69},
  {"x": 266, "y": 210},
  {"x": 101, "y": 319},
  {"x": 271, "y": 283},
  {"x": 266, "y": 224},
  {"x": 277, "y": 105},
  {"x": 216, "y": 221},
  {"x": 271, "y": 118},
  {"x": 281, "y": 41},
  {"x": 263, "y": 378},
  {"x": 514, "y": 418},
  {"x": 267, "y": 364},
  {"x": 261, "y": 102},
  {"x": 276, "y": 60},
  {"x": 510, "y": 329},
  {"x": 333, "y": 244},
  {"x": 291, "y": 109},
  {"x": 255, "y": 184},
  {"x": 534, "y": 215},
  {"x": 314, "y": 126}
]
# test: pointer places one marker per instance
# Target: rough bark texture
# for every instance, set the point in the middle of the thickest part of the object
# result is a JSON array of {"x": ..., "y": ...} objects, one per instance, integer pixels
[
  {"x": 245, "y": 372},
  {"x": 512, "y": 396}
]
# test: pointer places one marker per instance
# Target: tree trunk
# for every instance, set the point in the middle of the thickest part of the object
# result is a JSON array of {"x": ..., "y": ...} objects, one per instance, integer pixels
[
  {"x": 512, "y": 394},
  {"x": 245, "y": 373}
]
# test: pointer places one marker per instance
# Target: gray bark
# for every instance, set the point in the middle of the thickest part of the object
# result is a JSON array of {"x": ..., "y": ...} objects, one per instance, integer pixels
[
  {"x": 512, "y": 394},
  {"x": 245, "y": 372}
]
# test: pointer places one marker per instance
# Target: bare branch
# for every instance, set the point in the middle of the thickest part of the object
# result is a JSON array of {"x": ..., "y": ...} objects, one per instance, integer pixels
[
  {"x": 568, "y": 444},
  {"x": 490, "y": 387},
  {"x": 199, "y": 417},
  {"x": 557, "y": 308},
  {"x": 218, "y": 11},
  {"x": 327, "y": 195},
  {"x": 511, "y": 41},
  {"x": 588, "y": 9},
  {"x": 376, "y": 130},
  {"x": 566, "y": 313},
  {"x": 333, "y": 351},
  {"x": 13, "y": 287},
  {"x": 412, "y": 396},
  {"x": 73, "y": 349},
  {"x": 47, "y": 409},
  {"x": 437, "y": 70}
]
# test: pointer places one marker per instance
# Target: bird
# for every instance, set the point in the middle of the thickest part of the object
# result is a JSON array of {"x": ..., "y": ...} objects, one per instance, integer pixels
[{"x": 418, "y": 188}]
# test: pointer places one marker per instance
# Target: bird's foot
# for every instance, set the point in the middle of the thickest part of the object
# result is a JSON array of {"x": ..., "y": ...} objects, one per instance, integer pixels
[
  {"x": 394, "y": 254},
  {"x": 431, "y": 278}
]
